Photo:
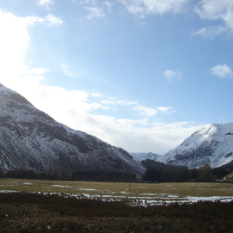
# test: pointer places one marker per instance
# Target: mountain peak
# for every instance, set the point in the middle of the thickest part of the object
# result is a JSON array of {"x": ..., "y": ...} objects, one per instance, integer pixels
[{"x": 208, "y": 145}]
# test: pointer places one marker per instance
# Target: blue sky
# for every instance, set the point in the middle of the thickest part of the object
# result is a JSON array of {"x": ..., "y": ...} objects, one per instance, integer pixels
[{"x": 139, "y": 74}]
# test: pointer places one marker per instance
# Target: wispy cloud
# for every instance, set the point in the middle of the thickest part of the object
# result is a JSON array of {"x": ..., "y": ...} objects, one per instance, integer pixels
[
  {"x": 211, "y": 32},
  {"x": 147, "y": 7},
  {"x": 145, "y": 111},
  {"x": 166, "y": 110},
  {"x": 173, "y": 76},
  {"x": 108, "y": 5},
  {"x": 66, "y": 70},
  {"x": 215, "y": 10},
  {"x": 95, "y": 12},
  {"x": 108, "y": 102},
  {"x": 222, "y": 71},
  {"x": 120, "y": 102}
]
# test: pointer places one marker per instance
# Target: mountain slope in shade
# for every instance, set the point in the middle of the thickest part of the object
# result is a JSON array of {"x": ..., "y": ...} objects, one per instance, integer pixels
[
  {"x": 30, "y": 139},
  {"x": 144, "y": 156},
  {"x": 208, "y": 145}
]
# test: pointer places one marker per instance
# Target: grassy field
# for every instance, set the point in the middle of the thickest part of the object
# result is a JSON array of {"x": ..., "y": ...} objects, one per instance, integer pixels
[{"x": 159, "y": 191}]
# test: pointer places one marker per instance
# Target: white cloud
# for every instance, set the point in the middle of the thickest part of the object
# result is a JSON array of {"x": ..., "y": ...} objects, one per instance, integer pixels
[
  {"x": 146, "y": 7},
  {"x": 44, "y": 2},
  {"x": 95, "y": 12},
  {"x": 222, "y": 71},
  {"x": 145, "y": 111},
  {"x": 52, "y": 20},
  {"x": 216, "y": 10},
  {"x": 66, "y": 70},
  {"x": 173, "y": 76},
  {"x": 74, "y": 108}
]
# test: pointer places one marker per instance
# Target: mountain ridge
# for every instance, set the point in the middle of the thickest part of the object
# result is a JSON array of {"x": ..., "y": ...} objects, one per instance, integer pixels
[{"x": 31, "y": 139}]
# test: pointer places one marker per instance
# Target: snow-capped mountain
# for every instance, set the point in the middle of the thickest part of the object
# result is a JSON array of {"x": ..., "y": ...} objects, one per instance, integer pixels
[
  {"x": 212, "y": 144},
  {"x": 143, "y": 156},
  {"x": 30, "y": 139}
]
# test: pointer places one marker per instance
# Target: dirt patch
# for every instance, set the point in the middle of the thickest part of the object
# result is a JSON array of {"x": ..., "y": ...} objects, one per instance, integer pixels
[{"x": 39, "y": 213}]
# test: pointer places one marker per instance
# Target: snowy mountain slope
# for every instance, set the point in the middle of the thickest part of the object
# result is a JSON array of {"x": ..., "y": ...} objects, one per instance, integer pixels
[
  {"x": 144, "y": 156},
  {"x": 208, "y": 145},
  {"x": 30, "y": 139}
]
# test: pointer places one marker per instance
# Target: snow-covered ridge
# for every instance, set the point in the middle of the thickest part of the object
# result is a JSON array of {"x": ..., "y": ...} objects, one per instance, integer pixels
[
  {"x": 31, "y": 139},
  {"x": 210, "y": 145}
]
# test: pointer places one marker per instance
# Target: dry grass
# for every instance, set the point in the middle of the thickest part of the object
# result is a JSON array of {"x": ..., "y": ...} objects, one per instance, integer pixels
[{"x": 119, "y": 189}]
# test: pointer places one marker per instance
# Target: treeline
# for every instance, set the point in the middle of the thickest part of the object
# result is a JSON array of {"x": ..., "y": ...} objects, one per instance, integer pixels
[
  {"x": 30, "y": 174},
  {"x": 103, "y": 176},
  {"x": 63, "y": 175},
  {"x": 183, "y": 174}
]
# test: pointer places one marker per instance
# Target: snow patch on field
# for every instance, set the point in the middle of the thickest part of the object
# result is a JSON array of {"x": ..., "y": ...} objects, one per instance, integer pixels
[{"x": 162, "y": 199}]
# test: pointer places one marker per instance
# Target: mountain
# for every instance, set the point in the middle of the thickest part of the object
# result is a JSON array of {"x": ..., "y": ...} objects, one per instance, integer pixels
[
  {"x": 144, "y": 156},
  {"x": 31, "y": 139},
  {"x": 212, "y": 144}
]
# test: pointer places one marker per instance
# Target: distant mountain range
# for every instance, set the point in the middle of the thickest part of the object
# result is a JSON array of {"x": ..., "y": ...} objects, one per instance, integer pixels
[
  {"x": 213, "y": 144},
  {"x": 144, "y": 156},
  {"x": 31, "y": 139}
]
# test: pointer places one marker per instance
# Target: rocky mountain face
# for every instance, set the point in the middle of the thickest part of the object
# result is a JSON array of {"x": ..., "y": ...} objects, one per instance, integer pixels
[
  {"x": 212, "y": 144},
  {"x": 30, "y": 139},
  {"x": 144, "y": 156}
]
